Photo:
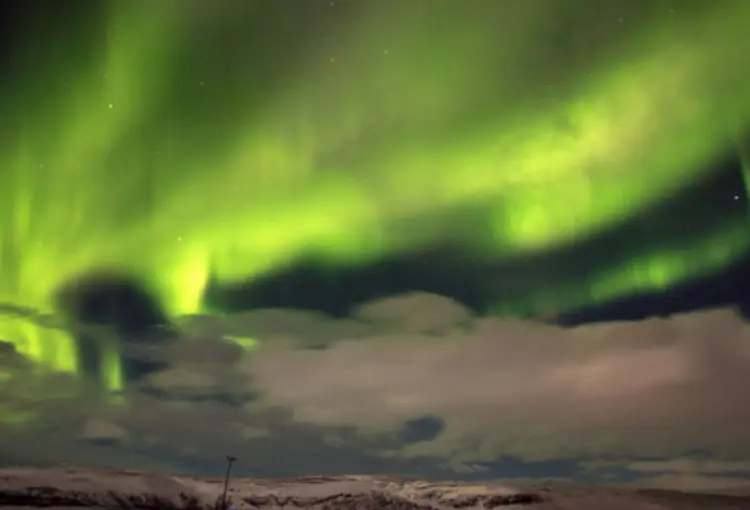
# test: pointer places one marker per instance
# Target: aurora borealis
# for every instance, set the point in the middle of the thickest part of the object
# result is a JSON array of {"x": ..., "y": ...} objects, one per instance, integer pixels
[{"x": 190, "y": 145}]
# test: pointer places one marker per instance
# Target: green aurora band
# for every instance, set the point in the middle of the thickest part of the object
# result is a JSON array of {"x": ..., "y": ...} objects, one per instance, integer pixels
[{"x": 159, "y": 156}]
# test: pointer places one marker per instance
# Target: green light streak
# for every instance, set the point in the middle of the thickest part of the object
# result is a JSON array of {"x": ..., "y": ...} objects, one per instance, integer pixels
[
  {"x": 246, "y": 343},
  {"x": 647, "y": 273},
  {"x": 127, "y": 167},
  {"x": 112, "y": 369},
  {"x": 744, "y": 152},
  {"x": 51, "y": 347}
]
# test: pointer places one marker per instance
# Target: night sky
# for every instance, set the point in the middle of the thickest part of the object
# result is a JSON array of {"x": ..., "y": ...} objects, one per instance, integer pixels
[{"x": 451, "y": 239}]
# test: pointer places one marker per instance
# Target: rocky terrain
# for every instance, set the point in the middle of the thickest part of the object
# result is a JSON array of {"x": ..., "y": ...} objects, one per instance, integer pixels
[{"x": 70, "y": 488}]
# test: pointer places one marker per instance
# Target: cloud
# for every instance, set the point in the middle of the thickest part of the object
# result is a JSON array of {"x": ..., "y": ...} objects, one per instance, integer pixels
[
  {"x": 414, "y": 384},
  {"x": 506, "y": 387},
  {"x": 696, "y": 483},
  {"x": 100, "y": 430},
  {"x": 415, "y": 312},
  {"x": 688, "y": 473},
  {"x": 691, "y": 466},
  {"x": 302, "y": 328}
]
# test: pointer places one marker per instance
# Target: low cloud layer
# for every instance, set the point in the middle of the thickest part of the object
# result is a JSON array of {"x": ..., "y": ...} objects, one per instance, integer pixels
[{"x": 416, "y": 384}]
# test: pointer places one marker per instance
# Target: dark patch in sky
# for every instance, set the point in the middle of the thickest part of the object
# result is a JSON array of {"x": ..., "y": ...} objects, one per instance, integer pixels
[
  {"x": 482, "y": 284},
  {"x": 316, "y": 346},
  {"x": 335, "y": 291},
  {"x": 228, "y": 399},
  {"x": 728, "y": 288},
  {"x": 136, "y": 369},
  {"x": 425, "y": 428},
  {"x": 113, "y": 300},
  {"x": 104, "y": 442}
]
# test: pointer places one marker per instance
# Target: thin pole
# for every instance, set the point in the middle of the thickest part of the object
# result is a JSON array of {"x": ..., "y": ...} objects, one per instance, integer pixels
[{"x": 230, "y": 461}]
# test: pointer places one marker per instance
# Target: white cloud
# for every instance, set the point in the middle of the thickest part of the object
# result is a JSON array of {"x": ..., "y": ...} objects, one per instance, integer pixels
[
  {"x": 415, "y": 312},
  {"x": 509, "y": 387}
]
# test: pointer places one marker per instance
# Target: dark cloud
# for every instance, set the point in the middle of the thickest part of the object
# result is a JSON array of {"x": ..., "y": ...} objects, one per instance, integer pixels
[
  {"x": 120, "y": 303},
  {"x": 416, "y": 430}
]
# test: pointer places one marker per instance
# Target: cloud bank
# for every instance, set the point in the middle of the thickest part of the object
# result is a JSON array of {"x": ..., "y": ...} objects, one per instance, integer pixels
[{"x": 413, "y": 384}]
